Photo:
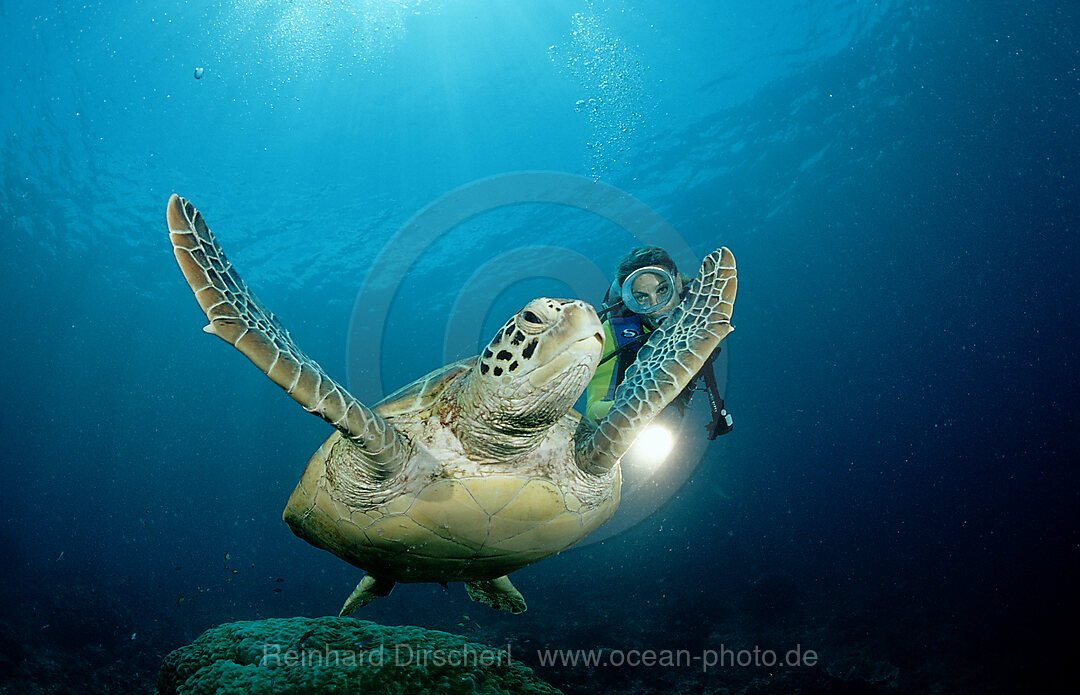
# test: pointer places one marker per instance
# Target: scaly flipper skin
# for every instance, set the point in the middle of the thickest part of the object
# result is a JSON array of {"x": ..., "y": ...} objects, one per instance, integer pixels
[
  {"x": 498, "y": 593},
  {"x": 365, "y": 592},
  {"x": 666, "y": 364},
  {"x": 241, "y": 320}
]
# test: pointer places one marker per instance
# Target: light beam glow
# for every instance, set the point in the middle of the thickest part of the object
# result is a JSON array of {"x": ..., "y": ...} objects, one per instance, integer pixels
[{"x": 654, "y": 445}]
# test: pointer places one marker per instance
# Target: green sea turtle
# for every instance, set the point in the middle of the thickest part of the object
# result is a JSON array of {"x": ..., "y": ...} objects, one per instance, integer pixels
[{"x": 479, "y": 468}]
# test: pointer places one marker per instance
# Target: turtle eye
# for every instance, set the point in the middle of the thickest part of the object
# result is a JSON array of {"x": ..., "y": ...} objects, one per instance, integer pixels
[{"x": 531, "y": 323}]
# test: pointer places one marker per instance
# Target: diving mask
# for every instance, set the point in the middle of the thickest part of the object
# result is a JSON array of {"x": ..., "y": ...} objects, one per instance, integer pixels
[{"x": 649, "y": 291}]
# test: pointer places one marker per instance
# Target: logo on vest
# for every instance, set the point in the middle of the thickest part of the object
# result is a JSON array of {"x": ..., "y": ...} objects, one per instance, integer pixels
[{"x": 629, "y": 333}]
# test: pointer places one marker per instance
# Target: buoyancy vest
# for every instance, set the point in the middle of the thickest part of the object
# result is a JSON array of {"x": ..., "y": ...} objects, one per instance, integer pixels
[{"x": 625, "y": 330}]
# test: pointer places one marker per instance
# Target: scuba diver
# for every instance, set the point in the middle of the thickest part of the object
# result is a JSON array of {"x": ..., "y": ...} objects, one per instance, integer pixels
[{"x": 647, "y": 287}]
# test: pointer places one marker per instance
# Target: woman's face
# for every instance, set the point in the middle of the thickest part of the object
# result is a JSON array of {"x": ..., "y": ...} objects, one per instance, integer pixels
[{"x": 652, "y": 290}]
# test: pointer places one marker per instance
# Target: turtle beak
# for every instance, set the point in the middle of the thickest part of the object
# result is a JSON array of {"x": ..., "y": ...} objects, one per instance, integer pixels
[{"x": 583, "y": 351}]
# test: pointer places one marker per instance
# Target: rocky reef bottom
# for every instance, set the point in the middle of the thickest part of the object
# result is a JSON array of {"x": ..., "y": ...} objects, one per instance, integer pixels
[{"x": 335, "y": 655}]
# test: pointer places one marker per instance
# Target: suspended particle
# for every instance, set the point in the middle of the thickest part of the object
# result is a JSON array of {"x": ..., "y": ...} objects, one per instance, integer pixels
[{"x": 198, "y": 73}]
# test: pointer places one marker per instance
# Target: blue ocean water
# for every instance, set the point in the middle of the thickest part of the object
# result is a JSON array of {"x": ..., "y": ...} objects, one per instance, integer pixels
[{"x": 897, "y": 179}]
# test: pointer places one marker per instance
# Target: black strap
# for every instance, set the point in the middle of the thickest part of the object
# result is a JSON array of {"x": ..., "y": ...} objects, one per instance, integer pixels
[
  {"x": 629, "y": 348},
  {"x": 721, "y": 421}
]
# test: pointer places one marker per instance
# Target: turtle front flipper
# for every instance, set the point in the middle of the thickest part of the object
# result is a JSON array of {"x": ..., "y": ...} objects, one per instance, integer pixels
[
  {"x": 668, "y": 362},
  {"x": 241, "y": 320}
]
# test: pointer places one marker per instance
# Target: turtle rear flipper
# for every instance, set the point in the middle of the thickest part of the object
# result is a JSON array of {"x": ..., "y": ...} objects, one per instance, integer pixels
[
  {"x": 672, "y": 357},
  {"x": 241, "y": 320},
  {"x": 369, "y": 589},
  {"x": 498, "y": 593}
]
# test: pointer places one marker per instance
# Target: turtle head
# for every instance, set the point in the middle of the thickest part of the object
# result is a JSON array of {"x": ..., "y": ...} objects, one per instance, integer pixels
[{"x": 531, "y": 373}]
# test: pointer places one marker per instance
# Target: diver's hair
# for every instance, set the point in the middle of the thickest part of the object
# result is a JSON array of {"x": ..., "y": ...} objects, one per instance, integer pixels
[{"x": 641, "y": 257}]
